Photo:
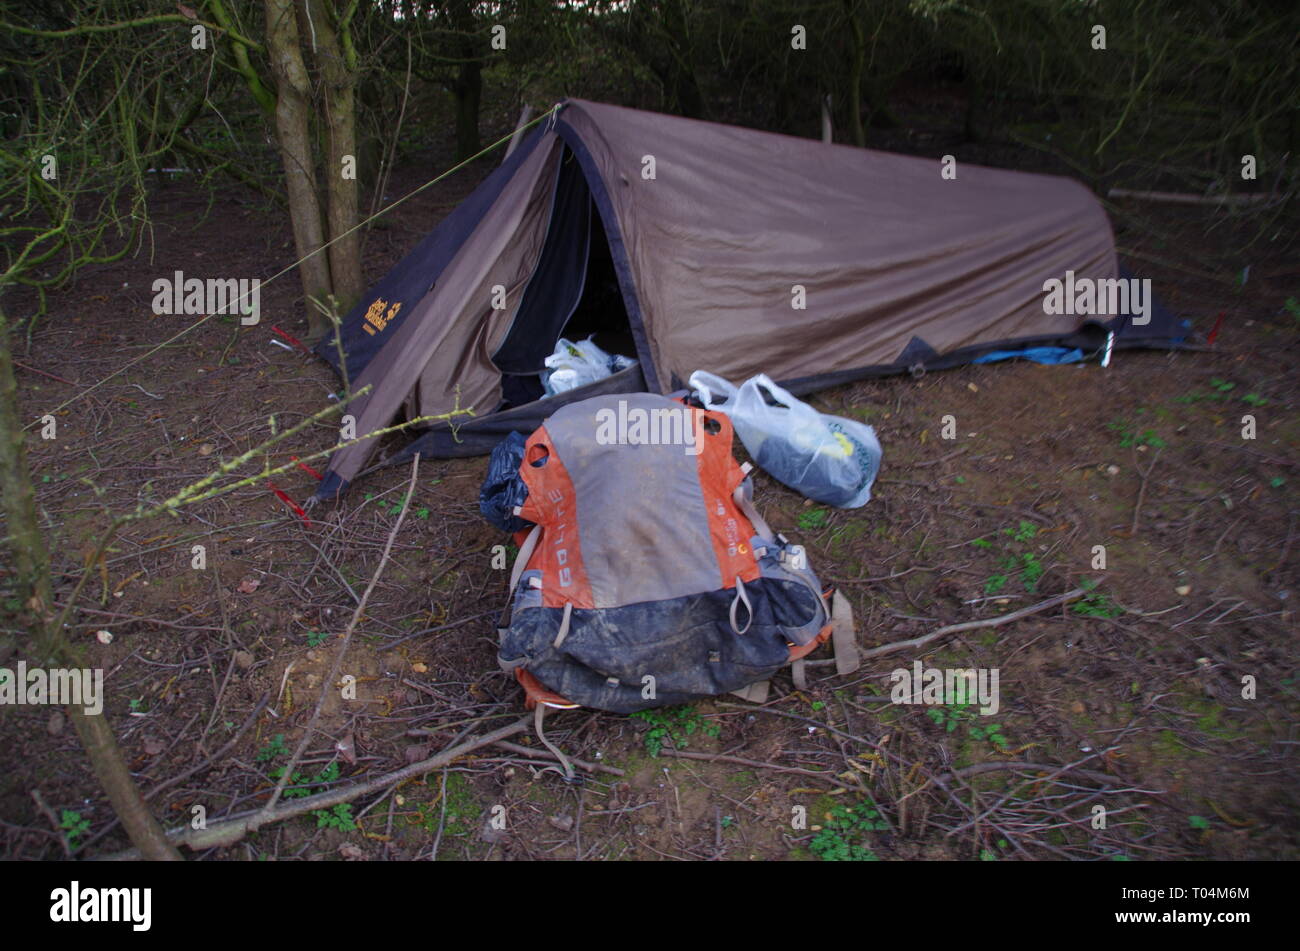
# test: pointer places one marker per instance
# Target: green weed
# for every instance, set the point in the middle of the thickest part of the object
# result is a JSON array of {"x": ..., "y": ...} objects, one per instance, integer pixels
[
  {"x": 340, "y": 817},
  {"x": 846, "y": 833},
  {"x": 275, "y": 748},
  {"x": 74, "y": 826},
  {"x": 1129, "y": 436},
  {"x": 813, "y": 519},
  {"x": 1096, "y": 605},
  {"x": 671, "y": 727},
  {"x": 1014, "y": 561}
]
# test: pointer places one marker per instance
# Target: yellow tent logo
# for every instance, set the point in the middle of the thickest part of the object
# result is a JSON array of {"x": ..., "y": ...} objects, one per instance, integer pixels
[{"x": 377, "y": 318}]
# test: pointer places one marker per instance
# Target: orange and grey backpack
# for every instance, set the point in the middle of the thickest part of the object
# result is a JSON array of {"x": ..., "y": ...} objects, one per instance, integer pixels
[{"x": 648, "y": 577}]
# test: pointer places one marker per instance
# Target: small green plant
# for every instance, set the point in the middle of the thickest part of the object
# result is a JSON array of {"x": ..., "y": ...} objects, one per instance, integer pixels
[
  {"x": 1015, "y": 561},
  {"x": 1096, "y": 605},
  {"x": 992, "y": 733},
  {"x": 1254, "y": 399},
  {"x": 1129, "y": 436},
  {"x": 813, "y": 519},
  {"x": 954, "y": 712},
  {"x": 845, "y": 835},
  {"x": 390, "y": 508},
  {"x": 340, "y": 817},
  {"x": 1198, "y": 822},
  {"x": 299, "y": 785},
  {"x": 1023, "y": 532},
  {"x": 951, "y": 714},
  {"x": 136, "y": 704},
  {"x": 74, "y": 826},
  {"x": 316, "y": 638},
  {"x": 988, "y": 855},
  {"x": 1031, "y": 569},
  {"x": 671, "y": 727},
  {"x": 274, "y": 749}
]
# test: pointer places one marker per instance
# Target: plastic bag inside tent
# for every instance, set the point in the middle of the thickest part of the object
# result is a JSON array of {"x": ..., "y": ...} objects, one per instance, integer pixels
[{"x": 576, "y": 364}]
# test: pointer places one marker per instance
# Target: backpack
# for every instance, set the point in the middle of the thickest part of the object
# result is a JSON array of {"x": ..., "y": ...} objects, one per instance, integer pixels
[{"x": 648, "y": 577}]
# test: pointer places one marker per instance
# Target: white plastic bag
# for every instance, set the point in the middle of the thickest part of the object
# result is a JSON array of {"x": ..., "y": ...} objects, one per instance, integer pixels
[
  {"x": 826, "y": 458},
  {"x": 576, "y": 364}
]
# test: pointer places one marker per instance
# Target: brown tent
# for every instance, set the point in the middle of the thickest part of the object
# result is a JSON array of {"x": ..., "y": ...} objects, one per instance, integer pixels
[{"x": 689, "y": 245}]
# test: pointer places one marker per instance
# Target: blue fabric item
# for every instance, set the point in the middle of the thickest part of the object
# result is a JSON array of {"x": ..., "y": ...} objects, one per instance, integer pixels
[
  {"x": 503, "y": 489},
  {"x": 1050, "y": 355}
]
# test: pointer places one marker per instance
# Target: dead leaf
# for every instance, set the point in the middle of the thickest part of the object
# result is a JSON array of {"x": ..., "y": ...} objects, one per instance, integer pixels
[
  {"x": 249, "y": 585},
  {"x": 347, "y": 748},
  {"x": 153, "y": 746},
  {"x": 352, "y": 853}
]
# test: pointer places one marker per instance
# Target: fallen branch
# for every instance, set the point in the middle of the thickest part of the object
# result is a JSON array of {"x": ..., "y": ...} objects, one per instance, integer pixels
[
  {"x": 978, "y": 769},
  {"x": 1182, "y": 198},
  {"x": 341, "y": 646},
  {"x": 1142, "y": 490},
  {"x": 231, "y": 830},
  {"x": 951, "y": 629},
  {"x": 546, "y": 754}
]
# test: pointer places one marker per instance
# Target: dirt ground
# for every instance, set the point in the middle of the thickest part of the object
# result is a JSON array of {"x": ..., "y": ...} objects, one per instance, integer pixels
[{"x": 1137, "y": 699}]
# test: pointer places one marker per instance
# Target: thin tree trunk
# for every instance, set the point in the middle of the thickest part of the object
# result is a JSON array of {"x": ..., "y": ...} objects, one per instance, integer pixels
[
  {"x": 293, "y": 131},
  {"x": 339, "y": 81},
  {"x": 106, "y": 757},
  {"x": 31, "y": 560},
  {"x": 856, "y": 129},
  {"x": 469, "y": 92},
  {"x": 31, "y": 557}
]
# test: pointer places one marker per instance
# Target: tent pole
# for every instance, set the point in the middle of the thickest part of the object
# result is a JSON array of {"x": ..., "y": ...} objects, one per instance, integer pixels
[
  {"x": 524, "y": 116},
  {"x": 826, "y": 119}
]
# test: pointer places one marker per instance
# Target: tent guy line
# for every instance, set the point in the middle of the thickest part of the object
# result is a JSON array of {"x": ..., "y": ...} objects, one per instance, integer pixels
[{"x": 285, "y": 270}]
